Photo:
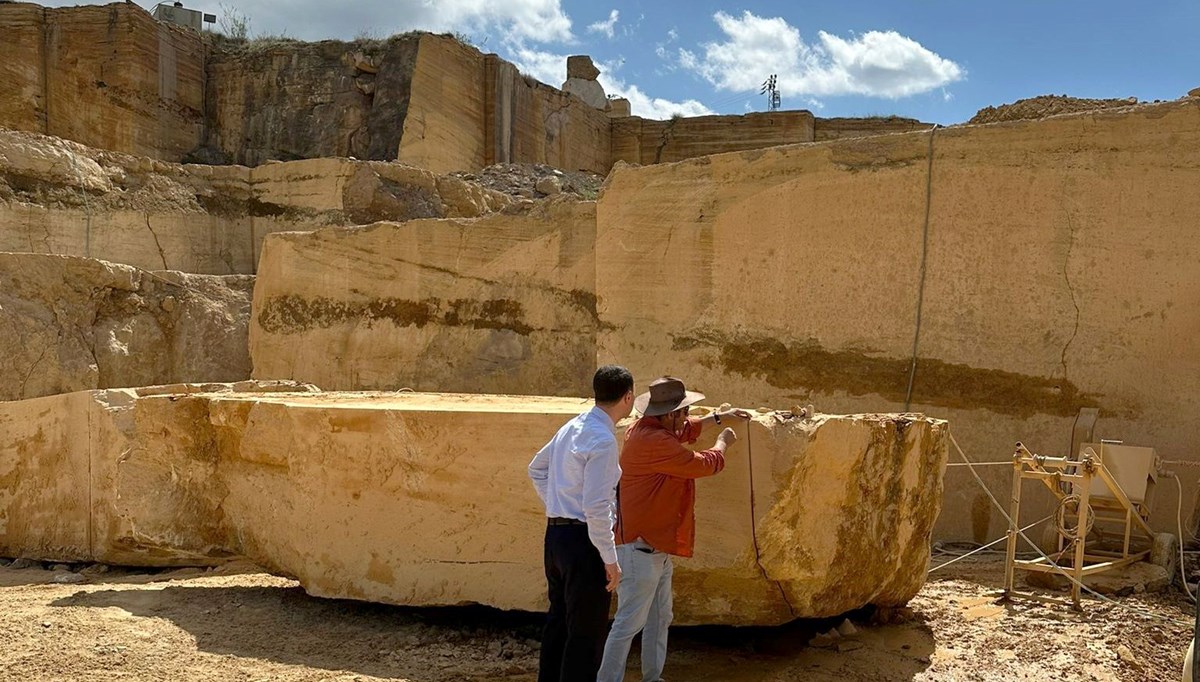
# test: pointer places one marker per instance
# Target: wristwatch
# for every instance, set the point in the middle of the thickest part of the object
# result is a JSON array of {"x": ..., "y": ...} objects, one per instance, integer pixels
[{"x": 717, "y": 417}]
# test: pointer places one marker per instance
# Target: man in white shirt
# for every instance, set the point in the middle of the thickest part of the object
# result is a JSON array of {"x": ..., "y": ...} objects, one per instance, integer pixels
[{"x": 576, "y": 476}]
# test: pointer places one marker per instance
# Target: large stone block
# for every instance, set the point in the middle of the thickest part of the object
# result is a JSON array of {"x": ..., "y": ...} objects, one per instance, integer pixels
[
  {"x": 70, "y": 324},
  {"x": 423, "y": 499},
  {"x": 500, "y": 304}
]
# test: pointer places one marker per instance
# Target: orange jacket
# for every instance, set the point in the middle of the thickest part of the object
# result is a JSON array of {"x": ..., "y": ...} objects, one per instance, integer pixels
[{"x": 657, "y": 494}]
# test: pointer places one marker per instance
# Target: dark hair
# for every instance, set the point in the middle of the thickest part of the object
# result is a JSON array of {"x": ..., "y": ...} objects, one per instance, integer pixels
[{"x": 611, "y": 383}]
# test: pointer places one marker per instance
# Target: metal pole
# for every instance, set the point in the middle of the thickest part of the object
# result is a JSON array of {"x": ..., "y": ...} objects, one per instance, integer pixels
[
  {"x": 1013, "y": 514},
  {"x": 1081, "y": 532}
]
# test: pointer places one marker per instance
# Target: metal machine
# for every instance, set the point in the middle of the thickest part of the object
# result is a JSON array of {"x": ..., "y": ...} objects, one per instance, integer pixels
[{"x": 1104, "y": 491}]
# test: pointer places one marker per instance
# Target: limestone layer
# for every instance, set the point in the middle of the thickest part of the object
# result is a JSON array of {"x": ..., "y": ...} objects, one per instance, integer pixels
[
  {"x": 497, "y": 304},
  {"x": 70, "y": 324},
  {"x": 58, "y": 196},
  {"x": 423, "y": 499}
]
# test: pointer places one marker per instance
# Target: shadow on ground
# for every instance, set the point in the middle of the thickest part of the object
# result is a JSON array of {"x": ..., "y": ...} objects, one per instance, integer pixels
[{"x": 400, "y": 642}]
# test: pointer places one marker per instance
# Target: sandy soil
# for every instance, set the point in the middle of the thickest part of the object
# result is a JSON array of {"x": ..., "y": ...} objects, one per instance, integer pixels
[{"x": 230, "y": 624}]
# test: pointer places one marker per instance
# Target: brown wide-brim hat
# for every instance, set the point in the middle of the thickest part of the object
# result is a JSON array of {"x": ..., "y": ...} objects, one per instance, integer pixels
[{"x": 665, "y": 396}]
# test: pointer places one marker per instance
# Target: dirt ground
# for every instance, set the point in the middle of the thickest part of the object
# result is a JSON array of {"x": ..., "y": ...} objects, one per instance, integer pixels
[{"x": 233, "y": 624}]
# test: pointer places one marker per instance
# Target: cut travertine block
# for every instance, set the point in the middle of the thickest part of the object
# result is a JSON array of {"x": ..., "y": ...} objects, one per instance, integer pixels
[
  {"x": 423, "y": 499},
  {"x": 122, "y": 476}
]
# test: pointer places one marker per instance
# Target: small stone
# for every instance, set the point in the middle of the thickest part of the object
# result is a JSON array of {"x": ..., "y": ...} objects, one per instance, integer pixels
[
  {"x": 95, "y": 569},
  {"x": 22, "y": 562},
  {"x": 60, "y": 567},
  {"x": 823, "y": 641},
  {"x": 846, "y": 629},
  {"x": 549, "y": 186},
  {"x": 168, "y": 303},
  {"x": 1126, "y": 655},
  {"x": 45, "y": 623},
  {"x": 68, "y": 578},
  {"x": 364, "y": 62},
  {"x": 848, "y": 645}
]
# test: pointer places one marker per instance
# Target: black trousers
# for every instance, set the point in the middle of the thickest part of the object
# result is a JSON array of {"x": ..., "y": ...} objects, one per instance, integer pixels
[{"x": 577, "y": 625}]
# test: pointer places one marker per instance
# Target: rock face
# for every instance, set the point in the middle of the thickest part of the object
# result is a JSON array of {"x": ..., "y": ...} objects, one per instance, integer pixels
[
  {"x": 763, "y": 253},
  {"x": 292, "y": 100},
  {"x": 588, "y": 91},
  {"x": 423, "y": 499},
  {"x": 644, "y": 141},
  {"x": 498, "y": 304},
  {"x": 108, "y": 76},
  {"x": 452, "y": 124},
  {"x": 69, "y": 324},
  {"x": 58, "y": 196},
  {"x": 113, "y": 77},
  {"x": 1046, "y": 105},
  {"x": 581, "y": 81},
  {"x": 839, "y": 128}
]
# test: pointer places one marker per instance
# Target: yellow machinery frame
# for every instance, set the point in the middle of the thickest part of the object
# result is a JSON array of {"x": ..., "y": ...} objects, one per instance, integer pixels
[{"x": 1115, "y": 508}]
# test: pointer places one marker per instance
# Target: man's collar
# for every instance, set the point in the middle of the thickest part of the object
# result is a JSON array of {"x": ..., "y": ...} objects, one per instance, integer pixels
[{"x": 604, "y": 415}]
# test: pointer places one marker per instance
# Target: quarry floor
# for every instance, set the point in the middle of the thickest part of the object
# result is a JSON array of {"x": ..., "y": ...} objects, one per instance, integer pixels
[{"x": 233, "y": 623}]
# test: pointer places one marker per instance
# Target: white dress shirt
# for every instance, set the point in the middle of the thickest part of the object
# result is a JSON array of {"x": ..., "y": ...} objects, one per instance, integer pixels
[{"x": 576, "y": 475}]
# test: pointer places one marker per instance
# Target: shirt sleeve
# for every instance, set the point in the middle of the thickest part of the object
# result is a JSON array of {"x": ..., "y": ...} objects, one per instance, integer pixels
[
  {"x": 539, "y": 470},
  {"x": 601, "y": 473},
  {"x": 692, "y": 430},
  {"x": 668, "y": 456}
]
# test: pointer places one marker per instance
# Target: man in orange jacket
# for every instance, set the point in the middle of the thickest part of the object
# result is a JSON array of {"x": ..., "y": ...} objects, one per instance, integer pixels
[{"x": 656, "y": 518}]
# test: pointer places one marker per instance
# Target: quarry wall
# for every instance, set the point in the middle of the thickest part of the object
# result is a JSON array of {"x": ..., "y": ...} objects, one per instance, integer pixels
[
  {"x": 1060, "y": 266},
  {"x": 60, "y": 197},
  {"x": 107, "y": 76},
  {"x": 498, "y": 304},
  {"x": 112, "y": 77}
]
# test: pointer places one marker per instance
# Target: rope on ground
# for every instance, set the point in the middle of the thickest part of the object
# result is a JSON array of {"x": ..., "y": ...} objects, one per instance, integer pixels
[
  {"x": 1055, "y": 566},
  {"x": 754, "y": 526},
  {"x": 1179, "y": 521},
  {"x": 997, "y": 541}
]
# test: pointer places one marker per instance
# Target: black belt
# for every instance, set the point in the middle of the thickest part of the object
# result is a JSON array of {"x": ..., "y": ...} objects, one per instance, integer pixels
[{"x": 558, "y": 521}]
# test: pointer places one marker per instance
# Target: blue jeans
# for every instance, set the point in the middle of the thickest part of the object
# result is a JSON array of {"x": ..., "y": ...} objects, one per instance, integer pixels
[{"x": 643, "y": 605}]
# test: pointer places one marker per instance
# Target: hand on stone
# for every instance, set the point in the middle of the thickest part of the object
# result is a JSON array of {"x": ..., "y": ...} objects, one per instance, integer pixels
[
  {"x": 613, "y": 573},
  {"x": 737, "y": 412}
]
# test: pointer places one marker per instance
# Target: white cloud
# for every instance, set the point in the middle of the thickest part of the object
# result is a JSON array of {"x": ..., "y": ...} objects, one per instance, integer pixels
[
  {"x": 876, "y": 63},
  {"x": 605, "y": 27},
  {"x": 672, "y": 35}
]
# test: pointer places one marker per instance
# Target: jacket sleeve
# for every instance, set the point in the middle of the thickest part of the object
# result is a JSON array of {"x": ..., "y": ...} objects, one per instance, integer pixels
[{"x": 665, "y": 455}]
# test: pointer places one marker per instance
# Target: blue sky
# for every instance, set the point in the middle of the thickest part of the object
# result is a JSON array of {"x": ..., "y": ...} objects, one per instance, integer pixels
[{"x": 935, "y": 60}]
